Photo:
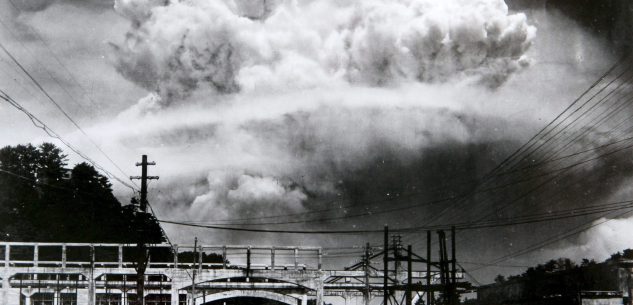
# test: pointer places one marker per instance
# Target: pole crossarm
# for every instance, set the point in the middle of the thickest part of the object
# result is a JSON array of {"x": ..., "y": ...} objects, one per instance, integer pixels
[
  {"x": 439, "y": 283},
  {"x": 148, "y": 177},
  {"x": 143, "y": 253}
]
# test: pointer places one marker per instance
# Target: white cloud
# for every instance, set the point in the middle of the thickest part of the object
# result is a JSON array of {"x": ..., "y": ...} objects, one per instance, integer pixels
[{"x": 184, "y": 46}]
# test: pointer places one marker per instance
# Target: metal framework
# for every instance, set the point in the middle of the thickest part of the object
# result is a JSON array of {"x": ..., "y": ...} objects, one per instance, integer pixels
[
  {"x": 104, "y": 274},
  {"x": 397, "y": 280}
]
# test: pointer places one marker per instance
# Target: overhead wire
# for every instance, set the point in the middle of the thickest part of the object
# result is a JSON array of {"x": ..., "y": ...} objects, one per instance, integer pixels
[
  {"x": 526, "y": 219},
  {"x": 71, "y": 118},
  {"x": 303, "y": 232},
  {"x": 370, "y": 213},
  {"x": 57, "y": 59},
  {"x": 39, "y": 64},
  {"x": 509, "y": 159},
  {"x": 555, "y": 123},
  {"x": 494, "y": 265},
  {"x": 592, "y": 126},
  {"x": 583, "y": 213},
  {"x": 38, "y": 123},
  {"x": 51, "y": 133},
  {"x": 602, "y": 100},
  {"x": 58, "y": 106},
  {"x": 568, "y": 116},
  {"x": 532, "y": 141},
  {"x": 337, "y": 218},
  {"x": 610, "y": 114},
  {"x": 164, "y": 233},
  {"x": 583, "y": 162},
  {"x": 477, "y": 282},
  {"x": 569, "y": 233}
]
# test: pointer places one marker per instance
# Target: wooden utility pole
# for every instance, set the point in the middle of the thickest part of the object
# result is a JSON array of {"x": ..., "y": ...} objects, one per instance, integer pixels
[
  {"x": 366, "y": 262},
  {"x": 445, "y": 279},
  {"x": 454, "y": 297},
  {"x": 193, "y": 277},
  {"x": 409, "y": 275},
  {"x": 144, "y": 177},
  {"x": 91, "y": 280},
  {"x": 429, "y": 292},
  {"x": 385, "y": 287},
  {"x": 141, "y": 246}
]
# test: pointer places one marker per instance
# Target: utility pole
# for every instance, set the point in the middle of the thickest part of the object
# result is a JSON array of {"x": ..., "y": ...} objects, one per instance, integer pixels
[
  {"x": 409, "y": 275},
  {"x": 366, "y": 292},
  {"x": 396, "y": 241},
  {"x": 193, "y": 277},
  {"x": 144, "y": 177},
  {"x": 429, "y": 292},
  {"x": 141, "y": 244},
  {"x": 385, "y": 275},
  {"x": 454, "y": 297},
  {"x": 91, "y": 280},
  {"x": 444, "y": 272}
]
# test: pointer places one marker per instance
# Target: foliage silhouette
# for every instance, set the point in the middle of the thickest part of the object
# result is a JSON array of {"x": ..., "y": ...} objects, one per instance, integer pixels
[{"x": 41, "y": 200}]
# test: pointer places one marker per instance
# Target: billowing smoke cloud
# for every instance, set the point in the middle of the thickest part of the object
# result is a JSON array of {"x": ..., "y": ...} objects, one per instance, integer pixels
[
  {"x": 233, "y": 193},
  {"x": 268, "y": 48},
  {"x": 278, "y": 107},
  {"x": 607, "y": 237},
  {"x": 230, "y": 47}
]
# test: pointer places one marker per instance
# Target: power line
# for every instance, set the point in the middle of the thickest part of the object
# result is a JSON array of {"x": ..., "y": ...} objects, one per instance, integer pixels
[
  {"x": 272, "y": 231},
  {"x": 560, "y": 170},
  {"x": 527, "y": 219},
  {"x": 50, "y": 132},
  {"x": 171, "y": 245},
  {"x": 545, "y": 133},
  {"x": 555, "y": 171},
  {"x": 531, "y": 142},
  {"x": 585, "y": 213},
  {"x": 372, "y": 213},
  {"x": 15, "y": 38},
  {"x": 470, "y": 275},
  {"x": 593, "y": 125},
  {"x": 527, "y": 193},
  {"x": 526, "y": 146},
  {"x": 569, "y": 233},
  {"x": 494, "y": 265},
  {"x": 58, "y": 106},
  {"x": 369, "y": 213},
  {"x": 54, "y": 55}
]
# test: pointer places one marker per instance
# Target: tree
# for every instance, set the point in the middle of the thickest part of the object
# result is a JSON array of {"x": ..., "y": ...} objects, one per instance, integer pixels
[
  {"x": 22, "y": 186},
  {"x": 141, "y": 226},
  {"x": 37, "y": 202}
]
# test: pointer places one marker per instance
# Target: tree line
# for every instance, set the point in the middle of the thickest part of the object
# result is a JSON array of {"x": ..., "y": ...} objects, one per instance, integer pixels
[
  {"x": 558, "y": 281},
  {"x": 43, "y": 200}
]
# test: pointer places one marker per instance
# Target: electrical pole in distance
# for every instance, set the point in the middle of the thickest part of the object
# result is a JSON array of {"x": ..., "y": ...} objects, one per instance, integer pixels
[
  {"x": 144, "y": 177},
  {"x": 141, "y": 245}
]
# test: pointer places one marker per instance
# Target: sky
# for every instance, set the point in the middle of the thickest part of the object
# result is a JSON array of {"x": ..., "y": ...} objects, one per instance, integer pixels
[{"x": 324, "y": 110}]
